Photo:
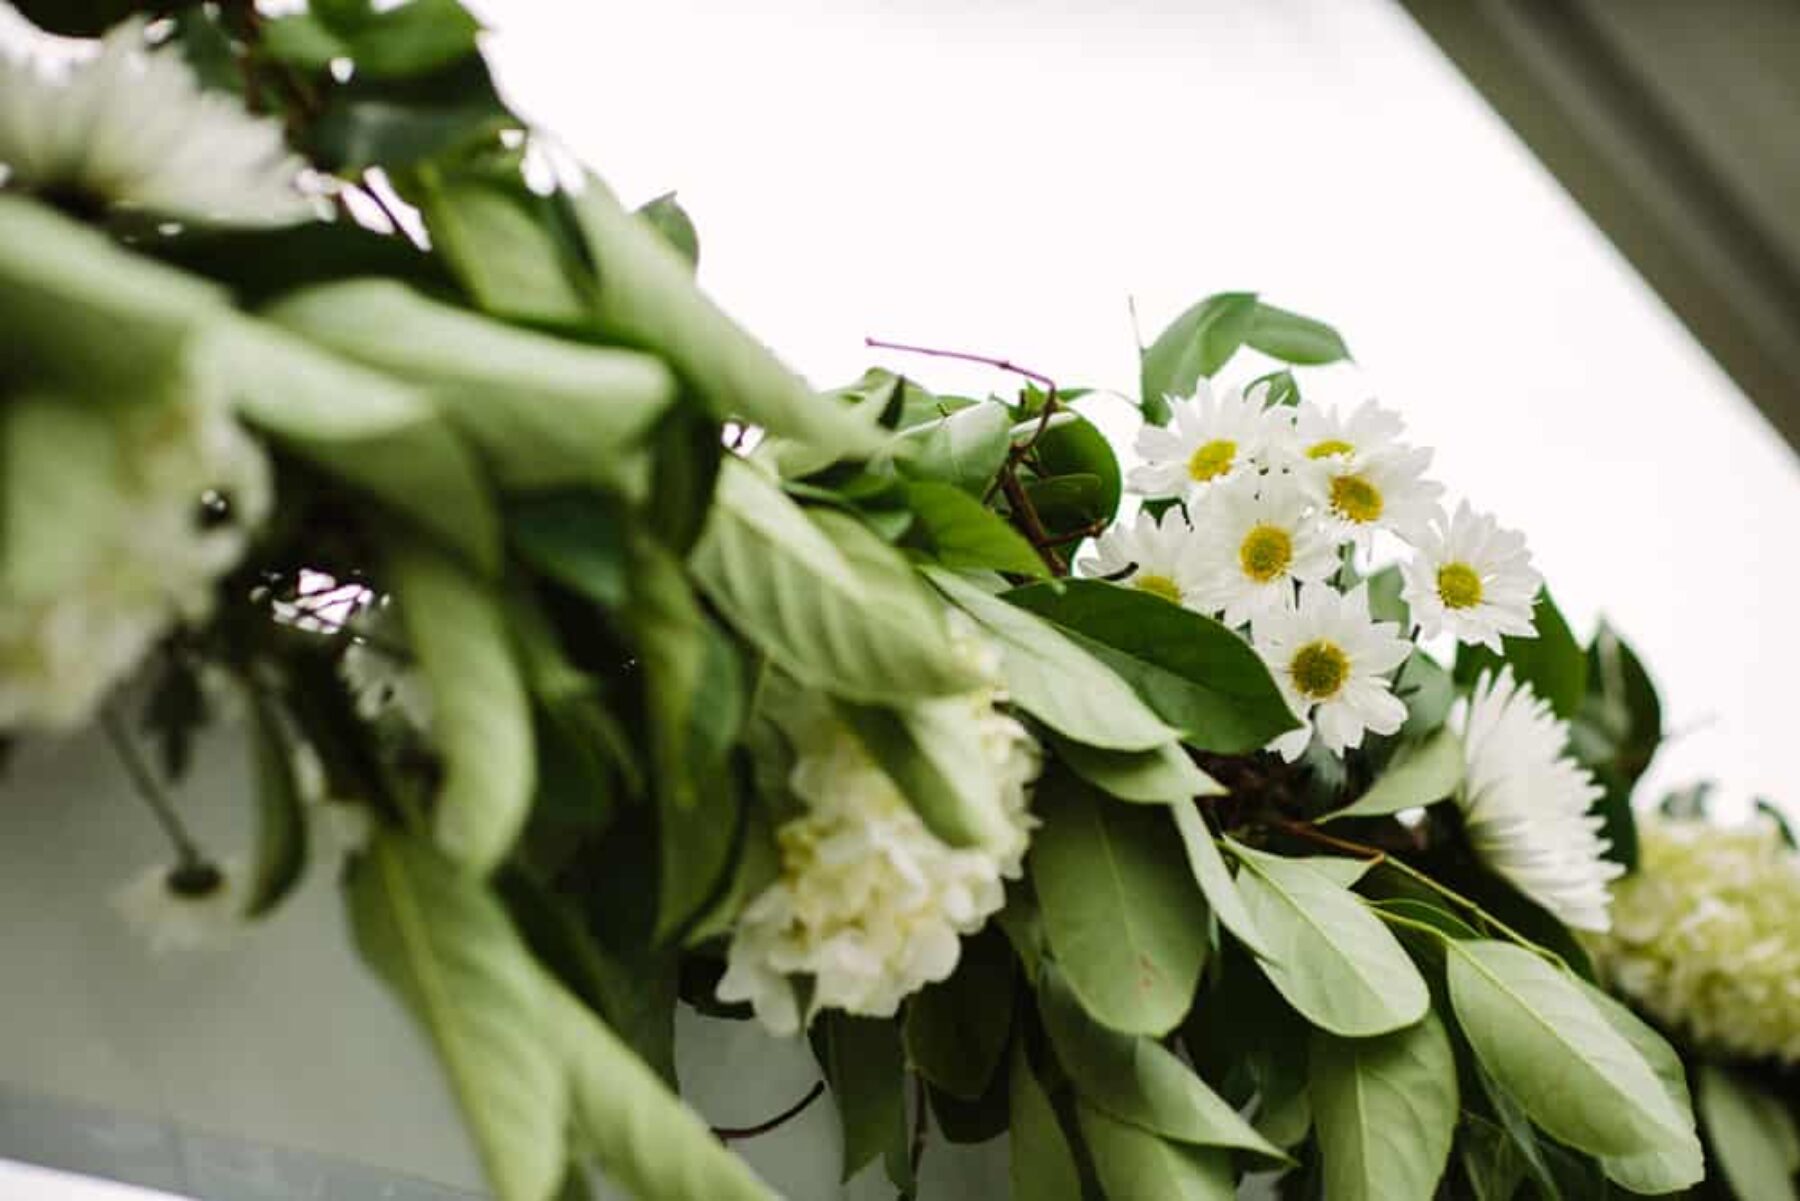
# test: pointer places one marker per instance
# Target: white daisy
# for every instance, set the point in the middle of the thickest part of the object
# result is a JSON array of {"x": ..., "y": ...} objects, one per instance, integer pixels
[
  {"x": 1330, "y": 660},
  {"x": 1215, "y": 436},
  {"x": 132, "y": 127},
  {"x": 1359, "y": 494},
  {"x": 1255, "y": 540},
  {"x": 1526, "y": 804},
  {"x": 1156, "y": 555},
  {"x": 1319, "y": 433},
  {"x": 1472, "y": 578},
  {"x": 183, "y": 908}
]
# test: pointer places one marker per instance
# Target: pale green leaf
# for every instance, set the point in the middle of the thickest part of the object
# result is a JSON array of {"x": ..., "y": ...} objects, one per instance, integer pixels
[
  {"x": 963, "y": 449},
  {"x": 1419, "y": 775},
  {"x": 1135, "y": 1165},
  {"x": 1677, "y": 1163},
  {"x": 481, "y": 713},
  {"x": 441, "y": 941},
  {"x": 62, "y": 494},
  {"x": 1053, "y": 679},
  {"x": 495, "y": 237},
  {"x": 959, "y": 531},
  {"x": 1166, "y": 775},
  {"x": 1215, "y": 878},
  {"x": 840, "y": 611},
  {"x": 1293, "y": 338},
  {"x": 1327, "y": 954},
  {"x": 640, "y": 1132},
  {"x": 1124, "y": 918},
  {"x": 1551, "y": 1050},
  {"x": 1195, "y": 344},
  {"x": 1752, "y": 1131},
  {"x": 1136, "y": 1079},
  {"x": 668, "y": 218},
  {"x": 1041, "y": 1161},
  {"x": 1385, "y": 1109}
]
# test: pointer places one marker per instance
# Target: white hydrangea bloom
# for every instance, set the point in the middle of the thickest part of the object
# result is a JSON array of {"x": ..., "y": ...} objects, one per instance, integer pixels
[
  {"x": 1473, "y": 579},
  {"x": 1214, "y": 436},
  {"x": 1154, "y": 554},
  {"x": 184, "y": 908},
  {"x": 870, "y": 905},
  {"x": 1331, "y": 660},
  {"x": 132, "y": 127},
  {"x": 1256, "y": 538},
  {"x": 1526, "y": 803},
  {"x": 1703, "y": 935},
  {"x": 185, "y": 488}
]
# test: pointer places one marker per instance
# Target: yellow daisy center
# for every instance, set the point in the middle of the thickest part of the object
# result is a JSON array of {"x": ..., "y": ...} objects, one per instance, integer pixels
[
  {"x": 1355, "y": 499},
  {"x": 1157, "y": 585},
  {"x": 1319, "y": 669},
  {"x": 1458, "y": 586},
  {"x": 1266, "y": 552},
  {"x": 1328, "y": 448},
  {"x": 1212, "y": 459}
]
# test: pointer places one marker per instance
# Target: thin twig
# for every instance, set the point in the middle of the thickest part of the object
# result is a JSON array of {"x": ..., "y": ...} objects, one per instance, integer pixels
[
  {"x": 963, "y": 356},
  {"x": 732, "y": 1133},
  {"x": 1034, "y": 526},
  {"x": 144, "y": 782}
]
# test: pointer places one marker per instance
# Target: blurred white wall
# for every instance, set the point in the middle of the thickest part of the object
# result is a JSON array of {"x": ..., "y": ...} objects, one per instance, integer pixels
[{"x": 1002, "y": 176}]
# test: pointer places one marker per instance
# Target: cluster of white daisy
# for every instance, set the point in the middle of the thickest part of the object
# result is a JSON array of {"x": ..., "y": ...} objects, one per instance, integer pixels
[
  {"x": 870, "y": 906},
  {"x": 1279, "y": 506},
  {"x": 182, "y": 484},
  {"x": 1703, "y": 935}
]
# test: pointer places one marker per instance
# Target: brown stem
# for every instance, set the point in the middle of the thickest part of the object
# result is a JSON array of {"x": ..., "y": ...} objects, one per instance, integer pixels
[
  {"x": 1028, "y": 517},
  {"x": 1313, "y": 834},
  {"x": 732, "y": 1133}
]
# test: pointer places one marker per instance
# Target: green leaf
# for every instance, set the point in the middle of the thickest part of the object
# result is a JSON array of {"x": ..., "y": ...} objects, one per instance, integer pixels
[
  {"x": 1076, "y": 449},
  {"x": 481, "y": 714},
  {"x": 1138, "y": 1080},
  {"x": 302, "y": 40},
  {"x": 865, "y": 1067},
  {"x": 1196, "y": 673},
  {"x": 935, "y": 753},
  {"x": 963, "y": 449},
  {"x": 642, "y": 1135},
  {"x": 1616, "y": 733},
  {"x": 1135, "y": 1165},
  {"x": 413, "y": 38},
  {"x": 1553, "y": 663},
  {"x": 1419, "y": 775},
  {"x": 1281, "y": 389},
  {"x": 824, "y": 598},
  {"x": 1385, "y": 1109},
  {"x": 1328, "y": 955},
  {"x": 1041, "y": 1163},
  {"x": 574, "y": 538},
  {"x": 1215, "y": 878},
  {"x": 669, "y": 219},
  {"x": 1164, "y": 776},
  {"x": 1293, "y": 338},
  {"x": 500, "y": 241},
  {"x": 1428, "y": 692},
  {"x": 280, "y": 820},
  {"x": 645, "y": 296},
  {"x": 1196, "y": 344},
  {"x": 956, "y": 1030},
  {"x": 959, "y": 531},
  {"x": 442, "y": 942},
  {"x": 1752, "y": 1133},
  {"x": 355, "y": 134},
  {"x": 261, "y": 264},
  {"x": 1552, "y": 1051},
  {"x": 542, "y": 411},
  {"x": 366, "y": 429},
  {"x": 1678, "y": 1163},
  {"x": 1123, "y": 915}
]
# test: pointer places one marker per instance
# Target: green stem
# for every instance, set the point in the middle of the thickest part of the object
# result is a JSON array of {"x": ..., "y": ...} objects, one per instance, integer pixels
[{"x": 144, "y": 782}]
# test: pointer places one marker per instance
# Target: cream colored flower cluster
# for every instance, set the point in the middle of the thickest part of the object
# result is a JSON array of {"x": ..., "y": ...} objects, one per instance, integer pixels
[
  {"x": 1704, "y": 937},
  {"x": 870, "y": 906},
  {"x": 166, "y": 493}
]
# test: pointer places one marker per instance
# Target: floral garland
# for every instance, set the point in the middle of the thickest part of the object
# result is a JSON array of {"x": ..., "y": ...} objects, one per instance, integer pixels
[{"x": 631, "y": 668}]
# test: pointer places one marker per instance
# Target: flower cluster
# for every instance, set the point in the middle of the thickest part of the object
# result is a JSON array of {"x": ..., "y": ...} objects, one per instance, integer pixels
[
  {"x": 1703, "y": 935},
  {"x": 184, "y": 485},
  {"x": 869, "y": 905}
]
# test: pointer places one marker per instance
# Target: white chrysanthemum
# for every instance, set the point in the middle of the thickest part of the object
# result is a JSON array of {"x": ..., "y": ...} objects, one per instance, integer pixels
[
  {"x": 1330, "y": 660},
  {"x": 1318, "y": 434},
  {"x": 1472, "y": 578},
  {"x": 185, "y": 488},
  {"x": 1359, "y": 494},
  {"x": 1215, "y": 436},
  {"x": 1526, "y": 803},
  {"x": 1152, "y": 554},
  {"x": 1704, "y": 938},
  {"x": 870, "y": 905},
  {"x": 184, "y": 908},
  {"x": 1256, "y": 539},
  {"x": 378, "y": 667},
  {"x": 132, "y": 127}
]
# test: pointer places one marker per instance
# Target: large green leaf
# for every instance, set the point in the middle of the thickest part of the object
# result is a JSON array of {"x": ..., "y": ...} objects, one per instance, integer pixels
[
  {"x": 1553, "y": 663},
  {"x": 956, "y": 1030},
  {"x": 1135, "y": 1165},
  {"x": 481, "y": 713},
  {"x": 960, "y": 531},
  {"x": 1041, "y": 1161},
  {"x": 865, "y": 1065},
  {"x": 963, "y": 449},
  {"x": 668, "y": 218},
  {"x": 1420, "y": 775},
  {"x": 645, "y": 295},
  {"x": 1196, "y": 344},
  {"x": 1677, "y": 1163},
  {"x": 1385, "y": 1109},
  {"x": 839, "y": 610},
  {"x": 1752, "y": 1131},
  {"x": 1293, "y": 338},
  {"x": 1196, "y": 673},
  {"x": 441, "y": 941},
  {"x": 1326, "y": 953},
  {"x": 1164, "y": 776},
  {"x": 640, "y": 1132},
  {"x": 543, "y": 411},
  {"x": 1136, "y": 1079},
  {"x": 499, "y": 239},
  {"x": 1073, "y": 448},
  {"x": 1123, "y": 915},
  {"x": 1053, "y": 679},
  {"x": 1550, "y": 1049},
  {"x": 574, "y": 538}
]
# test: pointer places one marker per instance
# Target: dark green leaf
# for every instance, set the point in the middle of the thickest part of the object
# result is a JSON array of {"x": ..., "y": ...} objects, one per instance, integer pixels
[
  {"x": 1293, "y": 338},
  {"x": 259, "y": 265},
  {"x": 670, "y": 220},
  {"x": 956, "y": 1030},
  {"x": 1196, "y": 344},
  {"x": 574, "y": 538},
  {"x": 280, "y": 820},
  {"x": 413, "y": 38},
  {"x": 688, "y": 453},
  {"x": 865, "y": 1067},
  {"x": 1077, "y": 449},
  {"x": 960, "y": 532},
  {"x": 352, "y": 135},
  {"x": 1042, "y": 1164}
]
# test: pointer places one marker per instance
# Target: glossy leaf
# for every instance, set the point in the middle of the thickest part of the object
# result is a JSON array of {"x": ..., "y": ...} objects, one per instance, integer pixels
[
  {"x": 1076, "y": 449},
  {"x": 1753, "y": 1133},
  {"x": 1135, "y": 1165},
  {"x": 1195, "y": 344},
  {"x": 1419, "y": 775},
  {"x": 961, "y": 532},
  {"x": 1386, "y": 1111},
  {"x": 963, "y": 449}
]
